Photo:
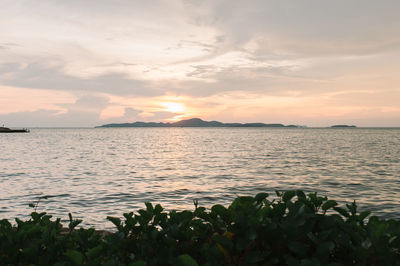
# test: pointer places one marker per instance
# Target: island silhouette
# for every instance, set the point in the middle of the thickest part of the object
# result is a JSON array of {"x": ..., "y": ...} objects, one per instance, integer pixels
[
  {"x": 193, "y": 122},
  {"x": 341, "y": 126}
]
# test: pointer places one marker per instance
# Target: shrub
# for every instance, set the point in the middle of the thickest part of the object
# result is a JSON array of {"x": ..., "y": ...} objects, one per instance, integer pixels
[{"x": 293, "y": 229}]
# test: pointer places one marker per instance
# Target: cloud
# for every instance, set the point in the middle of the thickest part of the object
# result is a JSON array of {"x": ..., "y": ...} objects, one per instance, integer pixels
[
  {"x": 88, "y": 103},
  {"x": 9, "y": 68},
  {"x": 307, "y": 28},
  {"x": 118, "y": 114},
  {"x": 130, "y": 114},
  {"x": 84, "y": 112},
  {"x": 36, "y": 75},
  {"x": 8, "y": 45},
  {"x": 211, "y": 49}
]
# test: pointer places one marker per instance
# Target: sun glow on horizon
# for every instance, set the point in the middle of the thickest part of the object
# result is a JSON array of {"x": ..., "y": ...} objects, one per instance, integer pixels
[
  {"x": 176, "y": 118},
  {"x": 174, "y": 107}
]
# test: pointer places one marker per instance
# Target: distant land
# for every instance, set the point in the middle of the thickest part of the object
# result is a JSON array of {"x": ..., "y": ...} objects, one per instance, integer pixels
[
  {"x": 343, "y": 126},
  {"x": 194, "y": 122}
]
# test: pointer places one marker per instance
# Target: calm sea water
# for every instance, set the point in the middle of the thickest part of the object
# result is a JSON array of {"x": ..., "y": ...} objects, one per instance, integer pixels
[{"x": 98, "y": 172}]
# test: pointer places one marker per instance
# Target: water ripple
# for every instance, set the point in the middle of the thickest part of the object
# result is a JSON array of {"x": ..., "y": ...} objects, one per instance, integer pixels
[{"x": 98, "y": 172}]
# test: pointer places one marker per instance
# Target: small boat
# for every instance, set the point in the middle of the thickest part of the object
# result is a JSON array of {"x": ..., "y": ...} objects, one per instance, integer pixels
[{"x": 9, "y": 130}]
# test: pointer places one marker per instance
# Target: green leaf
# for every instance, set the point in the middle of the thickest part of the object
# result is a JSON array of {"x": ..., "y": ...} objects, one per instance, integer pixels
[
  {"x": 187, "y": 260},
  {"x": 31, "y": 205},
  {"x": 35, "y": 216},
  {"x": 138, "y": 263},
  {"x": 32, "y": 230},
  {"x": 75, "y": 256},
  {"x": 260, "y": 197},
  {"x": 325, "y": 248},
  {"x": 310, "y": 262},
  {"x": 94, "y": 252},
  {"x": 313, "y": 238},
  {"x": 279, "y": 209},
  {"x": 300, "y": 194},
  {"x": 74, "y": 224},
  {"x": 223, "y": 241},
  {"x": 219, "y": 210},
  {"x": 128, "y": 216},
  {"x": 298, "y": 248},
  {"x": 329, "y": 204},
  {"x": 116, "y": 221},
  {"x": 253, "y": 257},
  {"x": 149, "y": 207},
  {"x": 158, "y": 208},
  {"x": 363, "y": 215},
  {"x": 352, "y": 208},
  {"x": 288, "y": 195},
  {"x": 342, "y": 211},
  {"x": 290, "y": 261}
]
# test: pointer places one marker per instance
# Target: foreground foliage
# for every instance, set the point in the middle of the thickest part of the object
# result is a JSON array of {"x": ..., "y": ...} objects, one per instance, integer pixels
[{"x": 294, "y": 229}]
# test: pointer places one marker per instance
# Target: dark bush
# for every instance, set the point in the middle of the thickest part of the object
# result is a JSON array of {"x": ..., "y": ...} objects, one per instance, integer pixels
[{"x": 294, "y": 229}]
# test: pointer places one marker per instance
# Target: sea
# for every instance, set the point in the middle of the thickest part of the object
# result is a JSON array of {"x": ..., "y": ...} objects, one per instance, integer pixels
[{"x": 98, "y": 172}]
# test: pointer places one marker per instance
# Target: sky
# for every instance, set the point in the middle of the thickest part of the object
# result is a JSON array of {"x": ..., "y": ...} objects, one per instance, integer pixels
[{"x": 86, "y": 63}]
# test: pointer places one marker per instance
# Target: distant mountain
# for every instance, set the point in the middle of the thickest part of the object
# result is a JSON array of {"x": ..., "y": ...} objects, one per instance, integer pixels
[
  {"x": 342, "y": 126},
  {"x": 194, "y": 122}
]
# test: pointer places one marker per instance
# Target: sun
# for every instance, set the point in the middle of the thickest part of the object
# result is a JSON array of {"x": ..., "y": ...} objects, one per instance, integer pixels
[{"x": 174, "y": 107}]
